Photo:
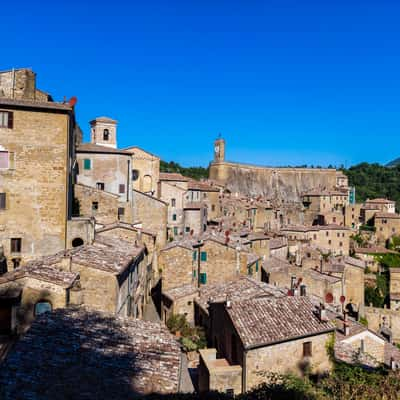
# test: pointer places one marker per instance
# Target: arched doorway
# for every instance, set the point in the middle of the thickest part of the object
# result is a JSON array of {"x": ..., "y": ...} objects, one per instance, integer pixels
[{"x": 77, "y": 242}]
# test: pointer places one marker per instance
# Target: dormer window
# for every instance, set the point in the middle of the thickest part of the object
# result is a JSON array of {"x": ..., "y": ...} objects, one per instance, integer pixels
[{"x": 106, "y": 134}]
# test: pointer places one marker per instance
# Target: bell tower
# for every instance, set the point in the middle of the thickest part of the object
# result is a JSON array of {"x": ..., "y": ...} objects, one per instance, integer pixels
[
  {"x": 219, "y": 150},
  {"x": 103, "y": 132}
]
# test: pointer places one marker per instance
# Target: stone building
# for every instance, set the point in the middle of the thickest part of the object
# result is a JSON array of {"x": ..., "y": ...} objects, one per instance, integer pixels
[
  {"x": 206, "y": 259},
  {"x": 172, "y": 189},
  {"x": 28, "y": 291},
  {"x": 37, "y": 138},
  {"x": 383, "y": 205},
  {"x": 146, "y": 170},
  {"x": 352, "y": 215},
  {"x": 264, "y": 336},
  {"x": 394, "y": 288},
  {"x": 85, "y": 354},
  {"x": 386, "y": 225},
  {"x": 333, "y": 239}
]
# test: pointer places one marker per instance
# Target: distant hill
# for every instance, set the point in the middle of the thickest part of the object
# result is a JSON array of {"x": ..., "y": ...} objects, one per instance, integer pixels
[
  {"x": 393, "y": 163},
  {"x": 191, "y": 172}
]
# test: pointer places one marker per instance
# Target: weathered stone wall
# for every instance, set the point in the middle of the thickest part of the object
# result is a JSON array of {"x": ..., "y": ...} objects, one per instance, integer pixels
[
  {"x": 152, "y": 213},
  {"x": 111, "y": 169},
  {"x": 36, "y": 185},
  {"x": 108, "y": 204},
  {"x": 378, "y": 317},
  {"x": 281, "y": 183},
  {"x": 286, "y": 358},
  {"x": 386, "y": 228},
  {"x": 82, "y": 228},
  {"x": 177, "y": 267}
]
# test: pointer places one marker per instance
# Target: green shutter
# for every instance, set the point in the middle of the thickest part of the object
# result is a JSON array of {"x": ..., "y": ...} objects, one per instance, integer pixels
[
  {"x": 203, "y": 278},
  {"x": 194, "y": 255},
  {"x": 173, "y": 217},
  {"x": 203, "y": 256},
  {"x": 249, "y": 270},
  {"x": 256, "y": 266},
  {"x": 194, "y": 273},
  {"x": 87, "y": 163}
]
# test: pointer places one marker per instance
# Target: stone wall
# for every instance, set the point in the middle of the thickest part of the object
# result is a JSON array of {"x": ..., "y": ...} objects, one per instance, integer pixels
[
  {"x": 151, "y": 213},
  {"x": 36, "y": 184},
  {"x": 281, "y": 183},
  {"x": 378, "y": 317},
  {"x": 285, "y": 358}
]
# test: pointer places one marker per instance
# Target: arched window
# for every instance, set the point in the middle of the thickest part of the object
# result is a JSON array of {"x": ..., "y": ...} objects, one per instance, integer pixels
[
  {"x": 77, "y": 242},
  {"x": 106, "y": 134},
  {"x": 42, "y": 306}
]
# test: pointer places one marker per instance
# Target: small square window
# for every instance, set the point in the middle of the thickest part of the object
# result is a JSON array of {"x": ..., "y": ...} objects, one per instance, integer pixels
[
  {"x": 173, "y": 217},
  {"x": 95, "y": 205},
  {"x": 100, "y": 185},
  {"x": 121, "y": 212},
  {"x": 121, "y": 188},
  {"x": 16, "y": 245}
]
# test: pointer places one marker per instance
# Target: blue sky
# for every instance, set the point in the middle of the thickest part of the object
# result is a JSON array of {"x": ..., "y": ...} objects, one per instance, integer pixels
[{"x": 285, "y": 82}]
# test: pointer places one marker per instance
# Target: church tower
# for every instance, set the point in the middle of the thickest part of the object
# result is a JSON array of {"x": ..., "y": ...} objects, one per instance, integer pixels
[
  {"x": 219, "y": 150},
  {"x": 103, "y": 132}
]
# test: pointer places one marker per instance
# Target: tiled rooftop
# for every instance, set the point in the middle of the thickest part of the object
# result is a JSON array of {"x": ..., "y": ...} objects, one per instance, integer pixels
[
  {"x": 262, "y": 321},
  {"x": 387, "y": 215},
  {"x": 95, "y": 148},
  {"x": 81, "y": 354},
  {"x": 241, "y": 288},
  {"x": 173, "y": 176}
]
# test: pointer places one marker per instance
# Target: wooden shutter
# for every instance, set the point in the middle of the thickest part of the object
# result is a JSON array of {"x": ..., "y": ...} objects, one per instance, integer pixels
[
  {"x": 3, "y": 203},
  {"x": 10, "y": 120}
]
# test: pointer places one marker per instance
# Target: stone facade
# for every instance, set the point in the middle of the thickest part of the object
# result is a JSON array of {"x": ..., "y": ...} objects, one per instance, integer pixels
[
  {"x": 383, "y": 318},
  {"x": 387, "y": 225},
  {"x": 37, "y": 152},
  {"x": 146, "y": 170}
]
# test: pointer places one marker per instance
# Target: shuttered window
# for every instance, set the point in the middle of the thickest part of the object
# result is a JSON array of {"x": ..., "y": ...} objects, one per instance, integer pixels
[
  {"x": 307, "y": 349},
  {"x": 6, "y": 119},
  {"x": 121, "y": 188},
  {"x": 203, "y": 278},
  {"x": 3, "y": 203},
  {"x": 194, "y": 255},
  {"x": 87, "y": 164},
  {"x": 203, "y": 256}
]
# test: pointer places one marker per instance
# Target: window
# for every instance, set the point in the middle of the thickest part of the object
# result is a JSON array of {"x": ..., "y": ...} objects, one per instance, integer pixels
[
  {"x": 95, "y": 205},
  {"x": 121, "y": 188},
  {"x": 16, "y": 244},
  {"x": 203, "y": 256},
  {"x": 341, "y": 244},
  {"x": 135, "y": 174},
  {"x": 41, "y": 307},
  {"x": 6, "y": 119},
  {"x": 173, "y": 217},
  {"x": 213, "y": 207},
  {"x": 203, "y": 278},
  {"x": 327, "y": 233},
  {"x": 100, "y": 185},
  {"x": 175, "y": 230},
  {"x": 121, "y": 212},
  {"x": 3, "y": 203},
  {"x": 307, "y": 349},
  {"x": 194, "y": 273},
  {"x": 315, "y": 237},
  {"x": 173, "y": 202},
  {"x": 194, "y": 255},
  {"x": 256, "y": 266},
  {"x": 87, "y": 163},
  {"x": 329, "y": 241},
  {"x": 4, "y": 159},
  {"x": 187, "y": 229},
  {"x": 106, "y": 134}
]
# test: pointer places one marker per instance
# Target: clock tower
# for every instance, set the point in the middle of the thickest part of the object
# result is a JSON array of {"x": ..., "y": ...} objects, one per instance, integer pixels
[{"x": 219, "y": 150}]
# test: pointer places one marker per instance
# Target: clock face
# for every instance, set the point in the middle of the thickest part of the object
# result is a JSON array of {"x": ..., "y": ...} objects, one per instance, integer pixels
[{"x": 216, "y": 148}]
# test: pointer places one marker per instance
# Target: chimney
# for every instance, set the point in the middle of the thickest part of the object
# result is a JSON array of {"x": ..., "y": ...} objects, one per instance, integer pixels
[{"x": 322, "y": 313}]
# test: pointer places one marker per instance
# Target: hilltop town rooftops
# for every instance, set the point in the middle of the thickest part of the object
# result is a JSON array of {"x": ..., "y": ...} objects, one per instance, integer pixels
[
  {"x": 241, "y": 288},
  {"x": 91, "y": 355},
  {"x": 173, "y": 176},
  {"x": 320, "y": 276},
  {"x": 261, "y": 321},
  {"x": 305, "y": 228},
  {"x": 202, "y": 186},
  {"x": 95, "y": 148},
  {"x": 276, "y": 264},
  {"x": 374, "y": 250},
  {"x": 181, "y": 291},
  {"x": 125, "y": 225},
  {"x": 277, "y": 242}
]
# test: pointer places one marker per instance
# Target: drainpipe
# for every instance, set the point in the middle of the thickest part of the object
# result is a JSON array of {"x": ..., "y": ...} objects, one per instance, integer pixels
[
  {"x": 198, "y": 246},
  {"x": 127, "y": 181},
  {"x": 244, "y": 371},
  {"x": 13, "y": 85}
]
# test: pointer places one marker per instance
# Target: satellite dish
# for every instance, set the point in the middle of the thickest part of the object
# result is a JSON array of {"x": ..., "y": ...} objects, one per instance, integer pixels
[
  {"x": 329, "y": 298},
  {"x": 72, "y": 101}
]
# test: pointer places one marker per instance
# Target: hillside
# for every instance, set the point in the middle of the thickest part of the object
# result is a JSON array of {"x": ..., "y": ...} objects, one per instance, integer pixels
[
  {"x": 393, "y": 163},
  {"x": 375, "y": 180},
  {"x": 191, "y": 172}
]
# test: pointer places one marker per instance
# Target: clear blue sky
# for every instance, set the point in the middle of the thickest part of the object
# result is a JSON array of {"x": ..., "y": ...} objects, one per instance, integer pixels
[{"x": 285, "y": 82}]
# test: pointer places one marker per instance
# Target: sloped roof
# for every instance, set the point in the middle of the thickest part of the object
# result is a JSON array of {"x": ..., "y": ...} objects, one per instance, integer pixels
[
  {"x": 77, "y": 353},
  {"x": 262, "y": 321},
  {"x": 95, "y": 148}
]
